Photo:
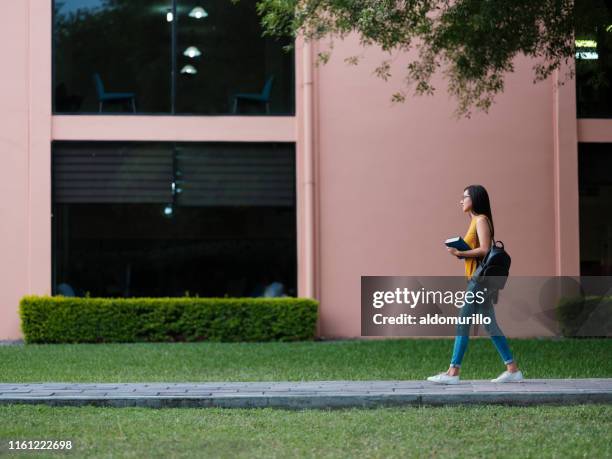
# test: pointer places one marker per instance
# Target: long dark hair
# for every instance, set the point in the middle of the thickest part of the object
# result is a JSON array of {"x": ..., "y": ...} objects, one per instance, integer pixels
[{"x": 481, "y": 203}]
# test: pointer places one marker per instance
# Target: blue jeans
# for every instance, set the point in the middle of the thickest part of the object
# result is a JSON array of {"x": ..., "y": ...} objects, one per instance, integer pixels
[{"x": 485, "y": 308}]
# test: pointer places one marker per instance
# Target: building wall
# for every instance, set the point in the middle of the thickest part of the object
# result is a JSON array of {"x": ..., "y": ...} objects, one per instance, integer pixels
[
  {"x": 378, "y": 184},
  {"x": 24, "y": 160},
  {"x": 26, "y": 133},
  {"x": 14, "y": 165},
  {"x": 391, "y": 177}
]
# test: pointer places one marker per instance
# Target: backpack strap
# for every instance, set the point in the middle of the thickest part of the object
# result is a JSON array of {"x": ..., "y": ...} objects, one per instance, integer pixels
[
  {"x": 492, "y": 239},
  {"x": 491, "y": 229}
]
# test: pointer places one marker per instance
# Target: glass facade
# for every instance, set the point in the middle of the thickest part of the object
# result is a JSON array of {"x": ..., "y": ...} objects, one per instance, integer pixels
[
  {"x": 595, "y": 194},
  {"x": 168, "y": 57},
  {"x": 594, "y": 71},
  {"x": 174, "y": 218}
]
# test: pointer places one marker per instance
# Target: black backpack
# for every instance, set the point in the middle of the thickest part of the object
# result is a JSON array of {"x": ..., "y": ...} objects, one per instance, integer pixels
[{"x": 494, "y": 268}]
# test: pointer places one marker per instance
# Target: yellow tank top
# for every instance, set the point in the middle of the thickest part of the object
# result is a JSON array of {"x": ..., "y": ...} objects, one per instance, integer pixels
[{"x": 471, "y": 238}]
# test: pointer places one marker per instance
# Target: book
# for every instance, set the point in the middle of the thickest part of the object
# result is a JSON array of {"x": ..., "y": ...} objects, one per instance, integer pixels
[{"x": 458, "y": 243}]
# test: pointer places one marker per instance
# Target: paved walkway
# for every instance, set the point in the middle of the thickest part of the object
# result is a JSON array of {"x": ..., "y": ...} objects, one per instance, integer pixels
[{"x": 310, "y": 394}]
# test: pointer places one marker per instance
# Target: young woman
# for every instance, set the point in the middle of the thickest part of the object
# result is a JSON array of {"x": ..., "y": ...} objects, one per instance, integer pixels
[{"x": 479, "y": 236}]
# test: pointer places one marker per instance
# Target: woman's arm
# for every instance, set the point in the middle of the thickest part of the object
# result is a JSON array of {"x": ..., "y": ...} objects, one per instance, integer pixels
[{"x": 484, "y": 236}]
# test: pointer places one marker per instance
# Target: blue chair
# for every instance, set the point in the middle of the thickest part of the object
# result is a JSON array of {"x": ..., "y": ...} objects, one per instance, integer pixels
[
  {"x": 262, "y": 97},
  {"x": 104, "y": 96}
]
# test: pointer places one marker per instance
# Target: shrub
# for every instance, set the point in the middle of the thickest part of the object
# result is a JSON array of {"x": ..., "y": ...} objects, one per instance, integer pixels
[
  {"x": 59, "y": 319},
  {"x": 582, "y": 316}
]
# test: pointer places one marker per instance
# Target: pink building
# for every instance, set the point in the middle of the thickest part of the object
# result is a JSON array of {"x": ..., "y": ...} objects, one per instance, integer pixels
[{"x": 159, "y": 148}]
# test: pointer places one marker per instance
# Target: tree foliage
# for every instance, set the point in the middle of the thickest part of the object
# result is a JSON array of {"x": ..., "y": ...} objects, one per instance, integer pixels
[{"x": 472, "y": 42}]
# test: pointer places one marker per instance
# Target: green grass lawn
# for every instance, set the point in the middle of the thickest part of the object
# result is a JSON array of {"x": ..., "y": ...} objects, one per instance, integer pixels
[
  {"x": 351, "y": 359},
  {"x": 477, "y": 431},
  {"x": 485, "y": 431}
]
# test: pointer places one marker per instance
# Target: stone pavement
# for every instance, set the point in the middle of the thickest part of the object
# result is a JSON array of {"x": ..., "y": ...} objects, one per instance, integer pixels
[{"x": 310, "y": 394}]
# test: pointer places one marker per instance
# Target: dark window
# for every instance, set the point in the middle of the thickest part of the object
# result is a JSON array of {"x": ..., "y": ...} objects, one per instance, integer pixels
[
  {"x": 109, "y": 55},
  {"x": 594, "y": 60},
  {"x": 595, "y": 184},
  {"x": 164, "y": 219},
  {"x": 168, "y": 57}
]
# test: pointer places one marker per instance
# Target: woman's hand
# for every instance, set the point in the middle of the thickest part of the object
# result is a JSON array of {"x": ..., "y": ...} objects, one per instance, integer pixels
[{"x": 453, "y": 251}]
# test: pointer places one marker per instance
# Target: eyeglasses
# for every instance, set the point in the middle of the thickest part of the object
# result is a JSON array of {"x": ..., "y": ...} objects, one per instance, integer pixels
[{"x": 465, "y": 197}]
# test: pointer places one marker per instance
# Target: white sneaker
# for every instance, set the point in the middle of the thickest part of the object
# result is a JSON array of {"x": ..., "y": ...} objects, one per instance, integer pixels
[
  {"x": 443, "y": 378},
  {"x": 507, "y": 376}
]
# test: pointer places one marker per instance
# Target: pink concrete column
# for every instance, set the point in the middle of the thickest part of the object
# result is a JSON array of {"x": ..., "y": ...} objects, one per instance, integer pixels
[
  {"x": 39, "y": 183},
  {"x": 25, "y": 41},
  {"x": 306, "y": 170},
  {"x": 565, "y": 174}
]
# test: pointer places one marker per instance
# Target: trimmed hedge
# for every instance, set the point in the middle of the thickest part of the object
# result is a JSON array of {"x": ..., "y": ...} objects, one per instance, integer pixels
[
  {"x": 592, "y": 314},
  {"x": 59, "y": 319}
]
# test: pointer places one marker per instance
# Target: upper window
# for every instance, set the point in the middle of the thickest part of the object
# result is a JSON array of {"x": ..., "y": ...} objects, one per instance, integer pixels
[
  {"x": 594, "y": 71},
  {"x": 168, "y": 57}
]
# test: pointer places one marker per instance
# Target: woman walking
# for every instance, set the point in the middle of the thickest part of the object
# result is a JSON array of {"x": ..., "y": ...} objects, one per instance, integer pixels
[{"x": 479, "y": 235}]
